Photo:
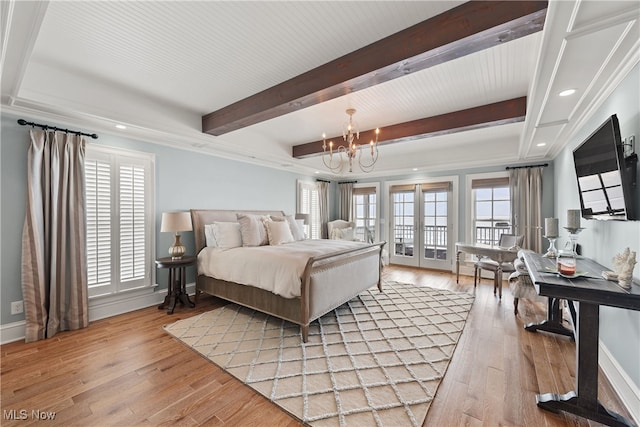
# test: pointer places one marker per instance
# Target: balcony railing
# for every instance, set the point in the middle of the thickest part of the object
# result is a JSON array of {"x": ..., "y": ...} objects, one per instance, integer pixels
[
  {"x": 435, "y": 241},
  {"x": 491, "y": 235}
]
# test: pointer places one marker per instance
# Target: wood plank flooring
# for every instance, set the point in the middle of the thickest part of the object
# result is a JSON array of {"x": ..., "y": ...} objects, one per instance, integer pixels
[{"x": 125, "y": 371}]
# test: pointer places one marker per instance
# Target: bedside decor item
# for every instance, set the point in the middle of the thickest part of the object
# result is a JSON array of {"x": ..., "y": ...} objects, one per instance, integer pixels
[
  {"x": 623, "y": 264},
  {"x": 176, "y": 222},
  {"x": 349, "y": 135}
]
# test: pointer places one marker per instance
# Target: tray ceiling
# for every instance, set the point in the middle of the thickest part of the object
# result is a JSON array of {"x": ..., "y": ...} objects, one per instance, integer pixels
[{"x": 159, "y": 67}]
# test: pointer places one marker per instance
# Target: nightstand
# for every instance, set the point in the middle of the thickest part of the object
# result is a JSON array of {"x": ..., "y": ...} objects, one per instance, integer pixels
[{"x": 176, "y": 289}]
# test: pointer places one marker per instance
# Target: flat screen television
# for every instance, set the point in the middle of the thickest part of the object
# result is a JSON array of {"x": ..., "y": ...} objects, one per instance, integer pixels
[{"x": 606, "y": 179}]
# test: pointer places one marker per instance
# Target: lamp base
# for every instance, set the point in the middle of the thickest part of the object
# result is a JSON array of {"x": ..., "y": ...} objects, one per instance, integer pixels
[{"x": 177, "y": 250}]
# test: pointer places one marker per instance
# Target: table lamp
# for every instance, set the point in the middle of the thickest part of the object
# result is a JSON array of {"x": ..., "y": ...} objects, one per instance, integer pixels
[{"x": 176, "y": 221}]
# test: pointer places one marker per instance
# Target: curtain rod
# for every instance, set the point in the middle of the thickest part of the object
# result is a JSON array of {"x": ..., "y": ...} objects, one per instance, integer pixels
[
  {"x": 348, "y": 182},
  {"x": 323, "y": 180},
  {"x": 23, "y": 122},
  {"x": 543, "y": 165}
]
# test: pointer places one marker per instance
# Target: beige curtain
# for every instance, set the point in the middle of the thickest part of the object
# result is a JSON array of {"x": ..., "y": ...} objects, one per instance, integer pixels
[
  {"x": 346, "y": 200},
  {"x": 525, "y": 185},
  {"x": 323, "y": 204},
  {"x": 54, "y": 272}
]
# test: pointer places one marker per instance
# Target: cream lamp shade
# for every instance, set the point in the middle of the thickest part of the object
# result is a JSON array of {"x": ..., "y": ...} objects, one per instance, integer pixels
[{"x": 176, "y": 222}]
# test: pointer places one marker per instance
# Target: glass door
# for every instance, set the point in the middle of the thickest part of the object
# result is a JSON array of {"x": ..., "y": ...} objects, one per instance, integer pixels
[{"x": 420, "y": 225}]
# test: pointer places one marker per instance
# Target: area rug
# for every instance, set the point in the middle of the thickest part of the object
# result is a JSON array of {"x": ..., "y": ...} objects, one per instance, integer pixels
[{"x": 376, "y": 360}]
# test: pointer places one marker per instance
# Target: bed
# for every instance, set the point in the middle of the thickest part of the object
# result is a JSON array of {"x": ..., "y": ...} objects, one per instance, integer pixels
[{"x": 327, "y": 280}]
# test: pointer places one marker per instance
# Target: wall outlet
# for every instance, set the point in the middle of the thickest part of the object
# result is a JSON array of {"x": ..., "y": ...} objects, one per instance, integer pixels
[{"x": 17, "y": 307}]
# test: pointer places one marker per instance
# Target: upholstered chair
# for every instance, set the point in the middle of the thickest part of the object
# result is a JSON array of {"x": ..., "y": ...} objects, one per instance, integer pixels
[{"x": 341, "y": 230}]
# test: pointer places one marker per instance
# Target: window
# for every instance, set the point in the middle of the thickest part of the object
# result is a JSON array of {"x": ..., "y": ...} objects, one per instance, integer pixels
[
  {"x": 120, "y": 226},
  {"x": 491, "y": 209},
  {"x": 309, "y": 203},
  {"x": 364, "y": 213}
]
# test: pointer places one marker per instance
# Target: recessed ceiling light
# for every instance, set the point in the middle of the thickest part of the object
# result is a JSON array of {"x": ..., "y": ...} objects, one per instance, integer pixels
[
  {"x": 414, "y": 169},
  {"x": 567, "y": 92},
  {"x": 121, "y": 126},
  {"x": 541, "y": 144},
  {"x": 317, "y": 171}
]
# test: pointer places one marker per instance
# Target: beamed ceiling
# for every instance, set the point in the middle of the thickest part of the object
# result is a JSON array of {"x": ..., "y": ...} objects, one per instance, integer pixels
[{"x": 450, "y": 84}]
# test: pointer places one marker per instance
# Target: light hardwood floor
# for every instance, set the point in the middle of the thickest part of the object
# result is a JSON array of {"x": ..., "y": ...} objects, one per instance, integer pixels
[{"x": 126, "y": 371}]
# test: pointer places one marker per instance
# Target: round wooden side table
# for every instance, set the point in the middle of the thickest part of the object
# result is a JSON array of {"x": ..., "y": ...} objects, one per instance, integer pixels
[{"x": 176, "y": 289}]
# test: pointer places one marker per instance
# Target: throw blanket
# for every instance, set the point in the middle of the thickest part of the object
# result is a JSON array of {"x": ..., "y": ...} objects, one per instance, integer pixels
[{"x": 277, "y": 269}]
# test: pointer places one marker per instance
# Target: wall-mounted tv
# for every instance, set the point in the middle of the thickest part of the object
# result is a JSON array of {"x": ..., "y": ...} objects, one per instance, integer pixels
[{"x": 606, "y": 179}]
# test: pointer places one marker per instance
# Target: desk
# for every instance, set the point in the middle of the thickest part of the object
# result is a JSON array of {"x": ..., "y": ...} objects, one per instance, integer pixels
[
  {"x": 590, "y": 295},
  {"x": 176, "y": 289},
  {"x": 496, "y": 253}
]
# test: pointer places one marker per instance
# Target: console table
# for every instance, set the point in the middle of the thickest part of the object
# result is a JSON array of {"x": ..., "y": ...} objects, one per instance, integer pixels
[{"x": 590, "y": 294}]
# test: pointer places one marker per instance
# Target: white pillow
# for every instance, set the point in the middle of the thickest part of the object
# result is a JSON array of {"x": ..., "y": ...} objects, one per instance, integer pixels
[
  {"x": 279, "y": 232},
  {"x": 209, "y": 236},
  {"x": 347, "y": 233},
  {"x": 252, "y": 229},
  {"x": 296, "y": 231},
  {"x": 227, "y": 234}
]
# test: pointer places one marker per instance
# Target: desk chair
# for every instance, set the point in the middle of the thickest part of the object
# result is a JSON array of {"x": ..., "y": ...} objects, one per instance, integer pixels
[{"x": 506, "y": 241}]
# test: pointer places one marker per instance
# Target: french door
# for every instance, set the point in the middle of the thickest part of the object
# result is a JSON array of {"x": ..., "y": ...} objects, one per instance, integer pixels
[{"x": 421, "y": 224}]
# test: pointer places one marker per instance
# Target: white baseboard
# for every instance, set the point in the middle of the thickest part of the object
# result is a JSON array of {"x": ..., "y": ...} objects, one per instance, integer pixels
[
  {"x": 627, "y": 391},
  {"x": 11, "y": 332},
  {"x": 98, "y": 309}
]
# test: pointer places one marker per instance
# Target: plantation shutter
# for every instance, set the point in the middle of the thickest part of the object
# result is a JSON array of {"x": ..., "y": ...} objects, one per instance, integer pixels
[
  {"x": 132, "y": 222},
  {"x": 98, "y": 195},
  {"x": 119, "y": 193}
]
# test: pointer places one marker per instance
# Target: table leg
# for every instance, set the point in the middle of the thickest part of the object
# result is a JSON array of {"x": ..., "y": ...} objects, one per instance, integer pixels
[
  {"x": 497, "y": 281},
  {"x": 458, "y": 267},
  {"x": 584, "y": 401},
  {"x": 553, "y": 323},
  {"x": 174, "y": 290},
  {"x": 183, "y": 296}
]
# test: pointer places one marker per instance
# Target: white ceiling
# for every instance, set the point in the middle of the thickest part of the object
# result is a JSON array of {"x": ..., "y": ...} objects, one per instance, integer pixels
[{"x": 158, "y": 67}]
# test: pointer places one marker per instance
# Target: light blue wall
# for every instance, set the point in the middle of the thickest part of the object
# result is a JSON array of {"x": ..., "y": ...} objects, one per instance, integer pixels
[
  {"x": 184, "y": 180},
  {"x": 601, "y": 240}
]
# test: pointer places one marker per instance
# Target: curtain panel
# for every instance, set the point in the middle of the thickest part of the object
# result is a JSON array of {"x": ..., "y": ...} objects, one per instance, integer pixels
[
  {"x": 54, "y": 264},
  {"x": 323, "y": 202},
  {"x": 525, "y": 186},
  {"x": 346, "y": 201}
]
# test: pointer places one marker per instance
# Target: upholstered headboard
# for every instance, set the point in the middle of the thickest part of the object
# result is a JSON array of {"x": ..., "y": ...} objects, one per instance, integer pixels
[{"x": 201, "y": 217}]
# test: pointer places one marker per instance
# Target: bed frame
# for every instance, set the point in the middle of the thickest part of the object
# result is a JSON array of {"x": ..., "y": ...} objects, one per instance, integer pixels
[{"x": 324, "y": 282}]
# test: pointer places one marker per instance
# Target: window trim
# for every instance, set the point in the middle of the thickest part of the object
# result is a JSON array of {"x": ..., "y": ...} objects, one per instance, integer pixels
[
  {"x": 376, "y": 185},
  {"x": 115, "y": 154},
  {"x": 469, "y": 215},
  {"x": 300, "y": 185}
]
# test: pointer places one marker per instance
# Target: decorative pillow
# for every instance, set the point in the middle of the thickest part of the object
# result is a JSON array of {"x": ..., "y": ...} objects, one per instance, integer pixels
[
  {"x": 209, "y": 236},
  {"x": 296, "y": 231},
  {"x": 347, "y": 233},
  {"x": 277, "y": 218},
  {"x": 252, "y": 230},
  {"x": 227, "y": 234},
  {"x": 279, "y": 232},
  {"x": 300, "y": 223}
]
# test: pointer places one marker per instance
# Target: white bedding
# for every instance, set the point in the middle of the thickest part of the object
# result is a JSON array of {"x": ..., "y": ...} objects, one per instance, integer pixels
[{"x": 277, "y": 269}]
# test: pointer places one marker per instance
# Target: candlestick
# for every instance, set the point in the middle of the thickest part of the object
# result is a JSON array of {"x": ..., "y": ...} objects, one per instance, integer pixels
[
  {"x": 573, "y": 218},
  {"x": 550, "y": 227}
]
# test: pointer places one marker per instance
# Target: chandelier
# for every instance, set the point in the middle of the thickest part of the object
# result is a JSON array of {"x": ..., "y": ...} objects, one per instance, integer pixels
[{"x": 333, "y": 158}]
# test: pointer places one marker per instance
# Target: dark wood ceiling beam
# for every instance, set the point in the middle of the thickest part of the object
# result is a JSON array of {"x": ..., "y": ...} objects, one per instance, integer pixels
[
  {"x": 503, "y": 112},
  {"x": 468, "y": 28}
]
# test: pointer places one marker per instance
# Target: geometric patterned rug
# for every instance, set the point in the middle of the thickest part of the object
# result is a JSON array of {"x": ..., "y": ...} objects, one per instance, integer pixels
[{"x": 376, "y": 360}]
